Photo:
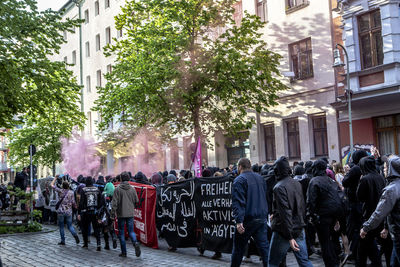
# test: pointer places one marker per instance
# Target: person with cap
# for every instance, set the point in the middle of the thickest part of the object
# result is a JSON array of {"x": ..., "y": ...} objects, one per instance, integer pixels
[
  {"x": 171, "y": 179},
  {"x": 388, "y": 208}
]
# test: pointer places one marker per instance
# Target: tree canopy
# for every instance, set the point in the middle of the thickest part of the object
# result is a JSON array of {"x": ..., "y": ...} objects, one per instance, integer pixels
[
  {"x": 187, "y": 65},
  {"x": 31, "y": 83}
]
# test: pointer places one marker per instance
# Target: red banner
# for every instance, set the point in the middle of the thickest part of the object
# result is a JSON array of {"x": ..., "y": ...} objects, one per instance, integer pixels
[{"x": 144, "y": 219}]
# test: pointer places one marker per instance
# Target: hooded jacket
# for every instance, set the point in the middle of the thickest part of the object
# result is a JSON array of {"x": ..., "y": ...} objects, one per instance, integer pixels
[
  {"x": 124, "y": 200},
  {"x": 141, "y": 178},
  {"x": 371, "y": 185},
  {"x": 323, "y": 193},
  {"x": 389, "y": 203},
  {"x": 352, "y": 178},
  {"x": 288, "y": 207}
]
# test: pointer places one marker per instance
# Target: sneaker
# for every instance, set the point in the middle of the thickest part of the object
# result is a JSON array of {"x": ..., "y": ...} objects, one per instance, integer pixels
[
  {"x": 137, "y": 249},
  {"x": 98, "y": 248},
  {"x": 77, "y": 239},
  {"x": 122, "y": 255},
  {"x": 201, "y": 251},
  {"x": 107, "y": 247},
  {"x": 61, "y": 243},
  {"x": 114, "y": 244},
  {"x": 85, "y": 246},
  {"x": 217, "y": 255},
  {"x": 345, "y": 258}
]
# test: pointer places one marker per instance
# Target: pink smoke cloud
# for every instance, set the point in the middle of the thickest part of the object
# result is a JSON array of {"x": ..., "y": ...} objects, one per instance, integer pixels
[{"x": 80, "y": 157}]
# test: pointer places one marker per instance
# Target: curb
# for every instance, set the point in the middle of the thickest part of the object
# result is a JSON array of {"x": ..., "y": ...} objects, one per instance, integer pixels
[{"x": 44, "y": 231}]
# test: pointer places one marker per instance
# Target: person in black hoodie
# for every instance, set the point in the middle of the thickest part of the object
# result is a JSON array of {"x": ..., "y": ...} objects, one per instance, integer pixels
[
  {"x": 369, "y": 192},
  {"x": 91, "y": 201},
  {"x": 288, "y": 217},
  {"x": 141, "y": 178},
  {"x": 325, "y": 207},
  {"x": 350, "y": 183}
]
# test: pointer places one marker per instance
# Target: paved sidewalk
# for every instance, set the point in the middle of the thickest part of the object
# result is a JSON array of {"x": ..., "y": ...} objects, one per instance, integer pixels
[{"x": 42, "y": 250}]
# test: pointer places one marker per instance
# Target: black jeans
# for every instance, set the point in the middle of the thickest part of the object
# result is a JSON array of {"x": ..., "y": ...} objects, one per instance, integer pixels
[
  {"x": 87, "y": 218},
  {"x": 256, "y": 228},
  {"x": 367, "y": 248},
  {"x": 324, "y": 230}
]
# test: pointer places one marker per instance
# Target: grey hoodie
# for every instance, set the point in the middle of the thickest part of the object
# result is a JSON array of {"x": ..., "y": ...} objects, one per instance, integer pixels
[
  {"x": 124, "y": 200},
  {"x": 389, "y": 203}
]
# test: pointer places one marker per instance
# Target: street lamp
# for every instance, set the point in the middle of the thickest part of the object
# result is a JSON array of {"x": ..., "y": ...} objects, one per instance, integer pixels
[
  {"x": 78, "y": 3},
  {"x": 338, "y": 63}
]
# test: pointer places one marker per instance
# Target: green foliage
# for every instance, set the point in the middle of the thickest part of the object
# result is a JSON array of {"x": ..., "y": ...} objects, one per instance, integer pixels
[
  {"x": 45, "y": 131},
  {"x": 23, "y": 197},
  {"x": 186, "y": 65},
  {"x": 37, "y": 215},
  {"x": 30, "y": 83},
  {"x": 31, "y": 227}
]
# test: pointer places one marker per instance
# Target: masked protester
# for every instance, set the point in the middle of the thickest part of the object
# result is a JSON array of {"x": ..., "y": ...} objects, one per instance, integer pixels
[
  {"x": 91, "y": 201},
  {"x": 325, "y": 208},
  {"x": 288, "y": 217},
  {"x": 388, "y": 208}
]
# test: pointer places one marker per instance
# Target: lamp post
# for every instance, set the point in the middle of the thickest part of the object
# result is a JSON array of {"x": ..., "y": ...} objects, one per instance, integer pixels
[
  {"x": 338, "y": 63},
  {"x": 78, "y": 3}
]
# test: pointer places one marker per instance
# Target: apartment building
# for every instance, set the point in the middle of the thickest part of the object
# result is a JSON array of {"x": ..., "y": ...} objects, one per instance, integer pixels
[
  {"x": 303, "y": 126},
  {"x": 372, "y": 39}
]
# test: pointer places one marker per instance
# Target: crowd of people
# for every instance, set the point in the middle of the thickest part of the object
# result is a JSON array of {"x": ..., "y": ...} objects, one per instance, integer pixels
[{"x": 351, "y": 213}]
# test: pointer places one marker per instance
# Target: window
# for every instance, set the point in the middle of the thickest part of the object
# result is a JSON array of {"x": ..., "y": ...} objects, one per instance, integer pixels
[
  {"x": 119, "y": 33},
  {"x": 88, "y": 84},
  {"x": 269, "y": 138},
  {"x": 87, "y": 49},
  {"x": 65, "y": 35},
  {"x": 74, "y": 57},
  {"x": 96, "y": 8},
  {"x": 98, "y": 74},
  {"x": 301, "y": 59},
  {"x": 108, "y": 35},
  {"x": 98, "y": 42},
  {"x": 388, "y": 134},
  {"x": 238, "y": 14},
  {"x": 86, "y": 16},
  {"x": 109, "y": 68},
  {"x": 66, "y": 60},
  {"x": 292, "y": 130},
  {"x": 294, "y": 3},
  {"x": 89, "y": 117},
  {"x": 106, "y": 3},
  {"x": 174, "y": 155},
  {"x": 261, "y": 9},
  {"x": 320, "y": 136},
  {"x": 370, "y": 36}
]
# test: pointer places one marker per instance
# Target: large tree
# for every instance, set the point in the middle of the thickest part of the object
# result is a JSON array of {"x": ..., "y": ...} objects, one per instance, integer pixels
[
  {"x": 29, "y": 81},
  {"x": 45, "y": 131},
  {"x": 187, "y": 65}
]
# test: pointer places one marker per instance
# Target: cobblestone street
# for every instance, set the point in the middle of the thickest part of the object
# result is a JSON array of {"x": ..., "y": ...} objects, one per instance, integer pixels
[{"x": 42, "y": 250}]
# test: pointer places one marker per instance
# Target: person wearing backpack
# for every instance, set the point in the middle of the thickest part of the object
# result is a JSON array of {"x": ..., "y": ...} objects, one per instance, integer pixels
[
  {"x": 64, "y": 209},
  {"x": 325, "y": 208},
  {"x": 91, "y": 201}
]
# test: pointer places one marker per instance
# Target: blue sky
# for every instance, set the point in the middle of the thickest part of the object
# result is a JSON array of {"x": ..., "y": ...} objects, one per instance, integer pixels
[{"x": 53, "y": 4}]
